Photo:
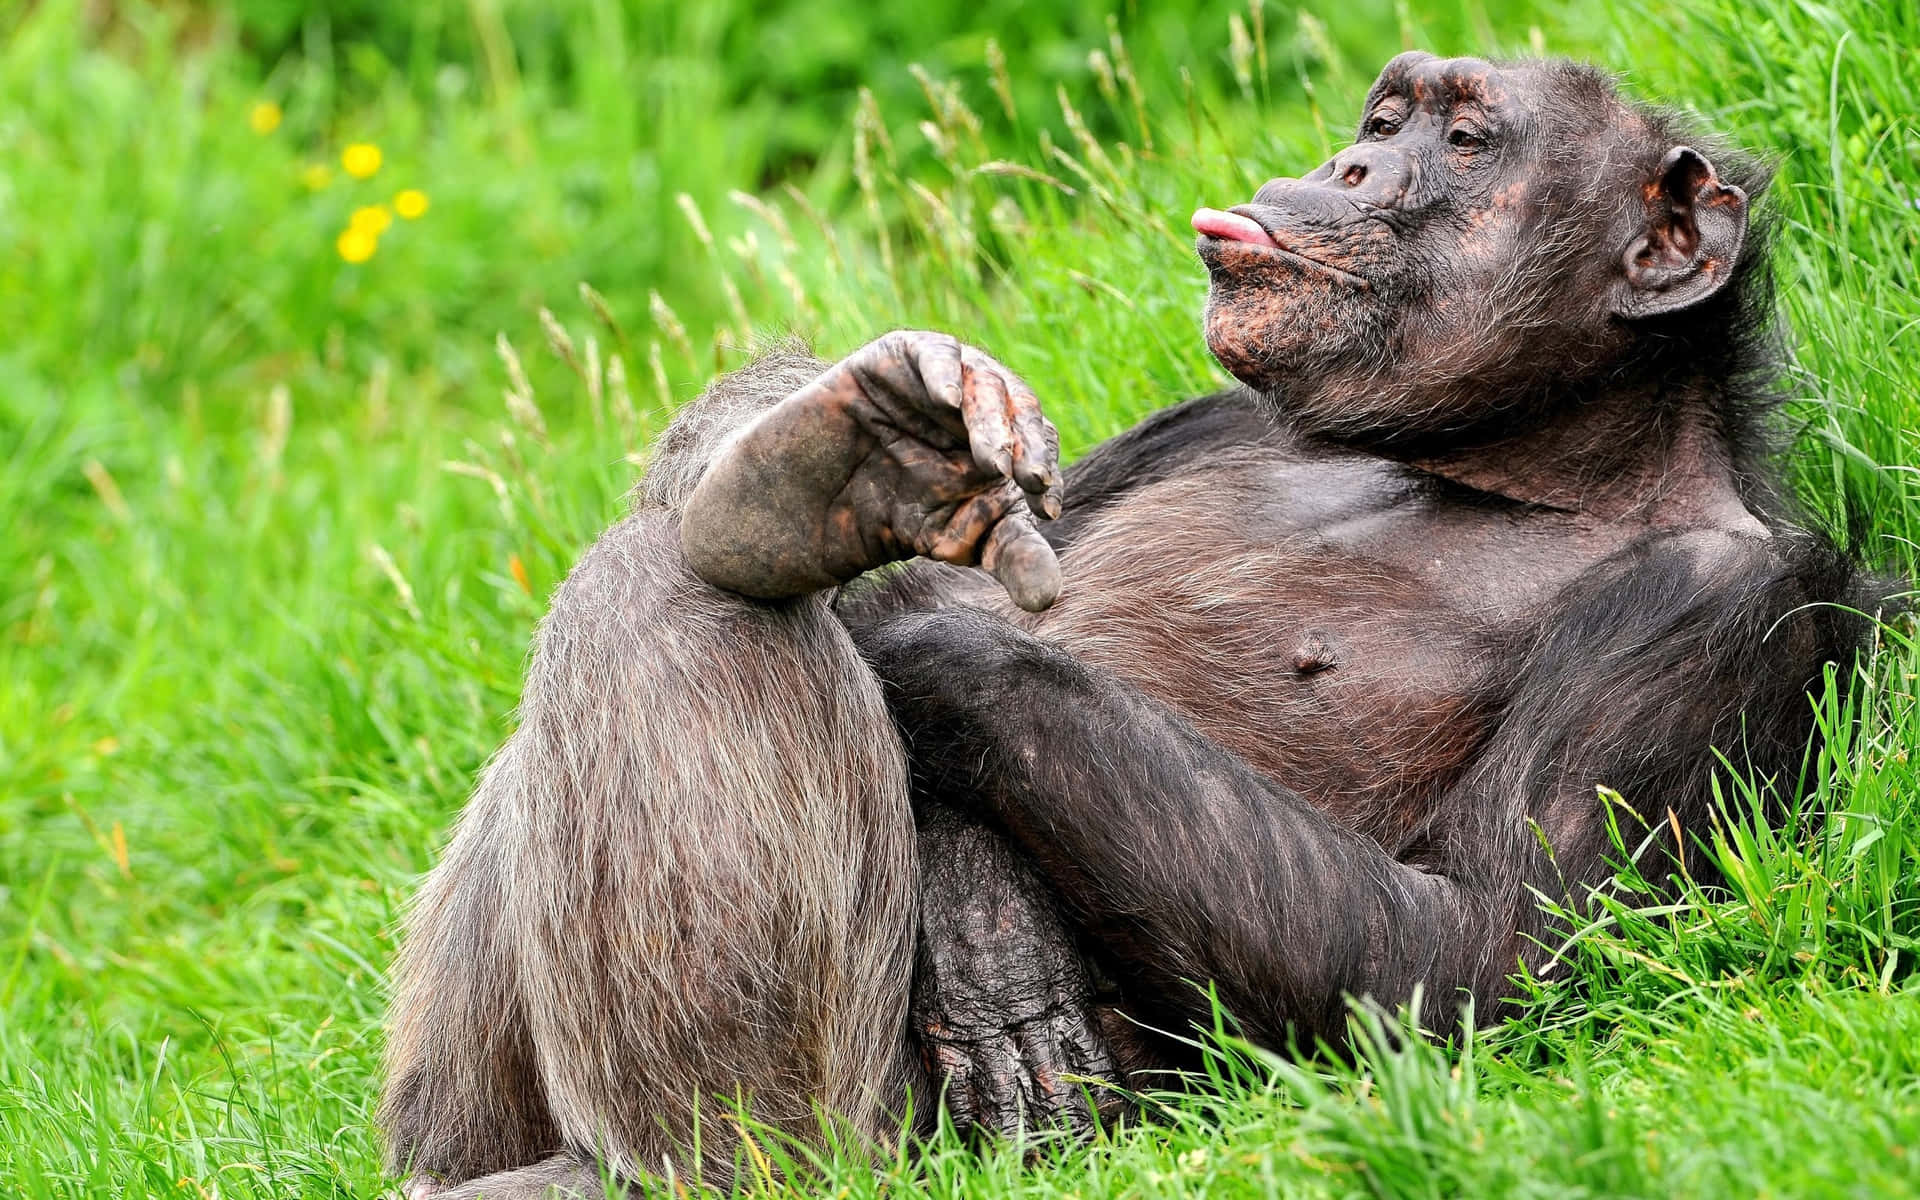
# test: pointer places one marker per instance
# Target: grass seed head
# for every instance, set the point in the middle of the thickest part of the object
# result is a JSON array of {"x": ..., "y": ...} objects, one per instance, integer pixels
[
  {"x": 1002, "y": 81},
  {"x": 403, "y": 590},
  {"x": 598, "y": 305},
  {"x": 695, "y": 219},
  {"x": 558, "y": 339},
  {"x": 668, "y": 322},
  {"x": 771, "y": 215},
  {"x": 277, "y": 426}
]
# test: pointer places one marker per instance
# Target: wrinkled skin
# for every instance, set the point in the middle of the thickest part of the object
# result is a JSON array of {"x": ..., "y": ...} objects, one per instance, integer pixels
[
  {"x": 1003, "y": 1003},
  {"x": 1431, "y": 202}
]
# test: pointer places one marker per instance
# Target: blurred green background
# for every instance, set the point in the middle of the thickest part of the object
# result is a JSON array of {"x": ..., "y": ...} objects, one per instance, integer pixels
[
  {"x": 553, "y": 141},
  {"x": 330, "y": 334}
]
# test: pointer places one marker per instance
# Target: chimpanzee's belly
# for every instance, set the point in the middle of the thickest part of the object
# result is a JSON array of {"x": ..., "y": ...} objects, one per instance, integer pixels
[
  {"x": 1342, "y": 633},
  {"x": 1329, "y": 683}
]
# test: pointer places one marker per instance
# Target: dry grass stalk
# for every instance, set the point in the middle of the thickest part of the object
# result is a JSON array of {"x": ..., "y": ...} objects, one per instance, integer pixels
[
  {"x": 596, "y": 384},
  {"x": 771, "y": 215},
  {"x": 622, "y": 399},
  {"x": 1123, "y": 68},
  {"x": 867, "y": 130},
  {"x": 379, "y": 384},
  {"x": 668, "y": 322},
  {"x": 691, "y": 210},
  {"x": 519, "y": 392},
  {"x": 819, "y": 221},
  {"x": 1022, "y": 171},
  {"x": 1002, "y": 82},
  {"x": 598, "y": 304},
  {"x": 1240, "y": 53},
  {"x": 276, "y": 428},
  {"x": 108, "y": 490},
  {"x": 391, "y": 570}
]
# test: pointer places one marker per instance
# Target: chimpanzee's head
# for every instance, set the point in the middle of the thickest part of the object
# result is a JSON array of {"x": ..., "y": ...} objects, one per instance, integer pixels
[{"x": 1494, "y": 232}]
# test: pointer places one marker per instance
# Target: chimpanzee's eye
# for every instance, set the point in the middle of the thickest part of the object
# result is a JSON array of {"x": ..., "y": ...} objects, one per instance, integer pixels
[
  {"x": 1466, "y": 139},
  {"x": 1382, "y": 127}
]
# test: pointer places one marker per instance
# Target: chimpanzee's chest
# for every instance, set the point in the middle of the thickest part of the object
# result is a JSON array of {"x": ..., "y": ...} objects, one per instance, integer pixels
[{"x": 1345, "y": 633}]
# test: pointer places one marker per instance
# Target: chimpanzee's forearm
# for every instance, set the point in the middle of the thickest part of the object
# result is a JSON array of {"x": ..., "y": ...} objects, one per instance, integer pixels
[
  {"x": 1188, "y": 865},
  {"x": 1185, "y": 864}
]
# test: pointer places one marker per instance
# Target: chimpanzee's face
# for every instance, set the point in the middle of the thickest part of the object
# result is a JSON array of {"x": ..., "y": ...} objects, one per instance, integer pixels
[{"x": 1401, "y": 258}]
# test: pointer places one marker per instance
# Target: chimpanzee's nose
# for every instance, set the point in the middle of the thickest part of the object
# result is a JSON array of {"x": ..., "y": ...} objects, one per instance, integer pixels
[{"x": 1373, "y": 174}]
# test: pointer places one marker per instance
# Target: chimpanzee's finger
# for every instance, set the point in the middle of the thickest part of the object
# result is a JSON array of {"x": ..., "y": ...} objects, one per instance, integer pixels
[
  {"x": 1066, "y": 1066},
  {"x": 1037, "y": 1079},
  {"x": 888, "y": 364},
  {"x": 954, "y": 1075},
  {"x": 961, "y": 539},
  {"x": 1022, "y": 561},
  {"x": 1049, "y": 504},
  {"x": 984, "y": 405},
  {"x": 997, "y": 1078},
  {"x": 1036, "y": 444},
  {"x": 936, "y": 357}
]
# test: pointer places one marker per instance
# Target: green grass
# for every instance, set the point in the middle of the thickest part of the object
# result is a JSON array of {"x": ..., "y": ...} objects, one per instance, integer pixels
[{"x": 257, "y": 634}]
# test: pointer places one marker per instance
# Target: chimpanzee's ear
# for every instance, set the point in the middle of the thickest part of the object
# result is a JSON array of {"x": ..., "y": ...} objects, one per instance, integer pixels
[{"x": 1696, "y": 227}]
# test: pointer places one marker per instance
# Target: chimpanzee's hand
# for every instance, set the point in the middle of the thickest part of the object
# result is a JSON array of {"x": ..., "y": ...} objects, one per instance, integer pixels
[
  {"x": 1002, "y": 1001},
  {"x": 912, "y": 445}
]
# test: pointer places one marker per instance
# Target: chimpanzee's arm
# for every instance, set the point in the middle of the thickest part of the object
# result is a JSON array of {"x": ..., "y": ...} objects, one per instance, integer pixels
[{"x": 1189, "y": 866}]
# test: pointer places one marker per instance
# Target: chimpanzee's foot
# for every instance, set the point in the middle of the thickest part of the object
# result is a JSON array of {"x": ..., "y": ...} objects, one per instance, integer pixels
[
  {"x": 1003, "y": 1002},
  {"x": 1049, "y": 1072}
]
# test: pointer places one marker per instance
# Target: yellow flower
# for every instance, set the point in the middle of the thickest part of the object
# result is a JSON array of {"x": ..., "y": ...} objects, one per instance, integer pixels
[
  {"x": 361, "y": 159},
  {"x": 374, "y": 218},
  {"x": 410, "y": 203},
  {"x": 264, "y": 117},
  {"x": 356, "y": 244},
  {"x": 316, "y": 176}
]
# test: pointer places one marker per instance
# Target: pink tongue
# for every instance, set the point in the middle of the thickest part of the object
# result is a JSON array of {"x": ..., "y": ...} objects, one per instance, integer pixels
[{"x": 1231, "y": 226}]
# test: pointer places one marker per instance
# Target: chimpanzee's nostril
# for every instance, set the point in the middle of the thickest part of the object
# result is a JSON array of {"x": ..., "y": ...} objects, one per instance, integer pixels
[{"x": 1354, "y": 175}]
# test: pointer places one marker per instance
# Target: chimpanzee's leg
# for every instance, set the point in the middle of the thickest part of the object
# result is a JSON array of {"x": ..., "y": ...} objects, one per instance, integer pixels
[{"x": 688, "y": 875}]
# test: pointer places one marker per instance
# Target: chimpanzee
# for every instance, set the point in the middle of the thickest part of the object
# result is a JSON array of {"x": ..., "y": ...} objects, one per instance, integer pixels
[{"x": 1303, "y": 691}]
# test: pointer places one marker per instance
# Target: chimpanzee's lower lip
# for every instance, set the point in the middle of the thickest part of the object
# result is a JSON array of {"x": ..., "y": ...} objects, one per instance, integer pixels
[{"x": 1211, "y": 247}]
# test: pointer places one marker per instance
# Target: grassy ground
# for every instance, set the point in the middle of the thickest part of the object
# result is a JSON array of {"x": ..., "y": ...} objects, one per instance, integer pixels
[{"x": 274, "y": 543}]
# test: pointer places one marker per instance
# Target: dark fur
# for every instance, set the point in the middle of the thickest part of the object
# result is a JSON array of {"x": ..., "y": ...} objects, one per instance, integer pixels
[{"x": 1336, "y": 651}]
